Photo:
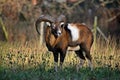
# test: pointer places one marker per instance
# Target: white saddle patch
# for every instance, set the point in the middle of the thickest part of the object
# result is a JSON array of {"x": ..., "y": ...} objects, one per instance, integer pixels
[{"x": 74, "y": 32}]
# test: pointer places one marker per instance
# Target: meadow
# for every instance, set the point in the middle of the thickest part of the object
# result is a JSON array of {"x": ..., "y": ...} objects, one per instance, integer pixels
[{"x": 30, "y": 61}]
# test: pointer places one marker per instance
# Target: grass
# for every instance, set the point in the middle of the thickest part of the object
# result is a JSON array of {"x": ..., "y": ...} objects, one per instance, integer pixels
[{"x": 30, "y": 62}]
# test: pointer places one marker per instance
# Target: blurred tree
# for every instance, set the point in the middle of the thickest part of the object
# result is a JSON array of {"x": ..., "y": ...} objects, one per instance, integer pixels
[{"x": 20, "y": 15}]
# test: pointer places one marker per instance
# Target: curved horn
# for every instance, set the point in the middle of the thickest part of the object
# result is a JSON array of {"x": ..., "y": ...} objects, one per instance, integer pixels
[
  {"x": 45, "y": 18},
  {"x": 61, "y": 18}
]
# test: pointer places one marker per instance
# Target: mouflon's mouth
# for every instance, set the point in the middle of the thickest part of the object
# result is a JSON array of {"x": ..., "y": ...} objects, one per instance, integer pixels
[{"x": 58, "y": 33}]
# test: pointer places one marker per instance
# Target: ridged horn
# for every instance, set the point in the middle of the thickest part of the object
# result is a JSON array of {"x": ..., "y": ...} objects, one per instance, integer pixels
[
  {"x": 43, "y": 18},
  {"x": 61, "y": 18}
]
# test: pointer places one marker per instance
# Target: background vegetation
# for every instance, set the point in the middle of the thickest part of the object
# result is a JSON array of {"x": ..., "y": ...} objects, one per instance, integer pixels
[
  {"x": 22, "y": 58},
  {"x": 18, "y": 17},
  {"x": 30, "y": 62}
]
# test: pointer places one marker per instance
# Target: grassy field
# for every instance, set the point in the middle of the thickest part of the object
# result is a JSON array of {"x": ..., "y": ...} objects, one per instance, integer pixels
[{"x": 31, "y": 62}]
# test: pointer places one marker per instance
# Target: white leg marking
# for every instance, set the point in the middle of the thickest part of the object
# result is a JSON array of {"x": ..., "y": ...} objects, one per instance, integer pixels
[
  {"x": 90, "y": 64},
  {"x": 61, "y": 65},
  {"x": 56, "y": 66},
  {"x": 80, "y": 64},
  {"x": 74, "y": 32}
]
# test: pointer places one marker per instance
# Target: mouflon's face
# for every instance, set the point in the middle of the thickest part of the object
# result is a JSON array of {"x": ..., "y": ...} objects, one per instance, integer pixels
[{"x": 57, "y": 26}]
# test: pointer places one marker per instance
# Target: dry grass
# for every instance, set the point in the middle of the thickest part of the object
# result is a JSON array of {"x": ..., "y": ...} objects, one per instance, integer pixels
[{"x": 31, "y": 62}]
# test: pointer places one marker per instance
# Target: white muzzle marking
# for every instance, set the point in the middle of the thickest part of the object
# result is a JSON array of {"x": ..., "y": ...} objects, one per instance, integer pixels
[{"x": 59, "y": 32}]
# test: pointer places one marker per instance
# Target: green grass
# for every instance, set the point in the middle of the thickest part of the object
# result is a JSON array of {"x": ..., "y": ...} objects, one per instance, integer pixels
[{"x": 30, "y": 62}]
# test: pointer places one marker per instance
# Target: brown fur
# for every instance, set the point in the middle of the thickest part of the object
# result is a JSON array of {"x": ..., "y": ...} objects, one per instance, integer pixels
[{"x": 61, "y": 43}]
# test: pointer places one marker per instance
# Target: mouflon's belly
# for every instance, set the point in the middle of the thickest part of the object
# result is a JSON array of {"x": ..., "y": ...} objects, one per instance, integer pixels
[{"x": 75, "y": 48}]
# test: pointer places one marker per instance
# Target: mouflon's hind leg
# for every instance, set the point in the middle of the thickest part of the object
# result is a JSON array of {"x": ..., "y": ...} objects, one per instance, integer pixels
[
  {"x": 82, "y": 58},
  {"x": 86, "y": 49},
  {"x": 88, "y": 56}
]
